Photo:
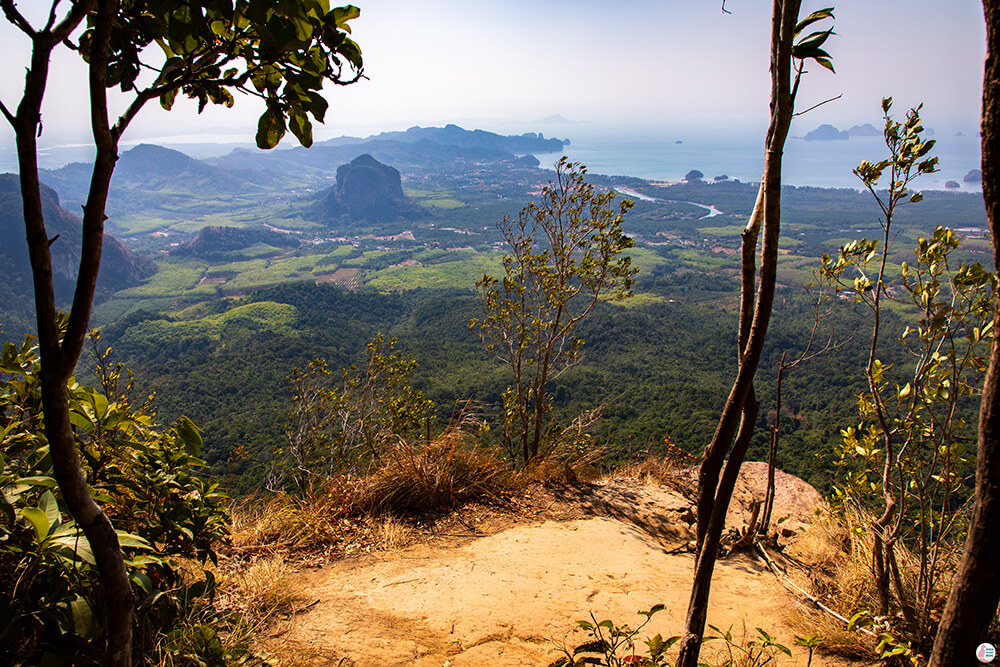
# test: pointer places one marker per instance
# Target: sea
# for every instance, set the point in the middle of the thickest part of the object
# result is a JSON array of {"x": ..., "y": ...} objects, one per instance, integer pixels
[
  {"x": 824, "y": 164},
  {"x": 657, "y": 155}
]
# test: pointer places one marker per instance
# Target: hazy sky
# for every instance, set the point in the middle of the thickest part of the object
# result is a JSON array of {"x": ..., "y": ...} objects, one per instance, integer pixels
[{"x": 636, "y": 64}]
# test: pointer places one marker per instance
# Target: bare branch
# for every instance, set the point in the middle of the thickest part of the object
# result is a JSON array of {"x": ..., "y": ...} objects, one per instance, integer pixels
[
  {"x": 816, "y": 106},
  {"x": 15, "y": 17},
  {"x": 7, "y": 114},
  {"x": 724, "y": 10},
  {"x": 63, "y": 29},
  {"x": 52, "y": 16}
]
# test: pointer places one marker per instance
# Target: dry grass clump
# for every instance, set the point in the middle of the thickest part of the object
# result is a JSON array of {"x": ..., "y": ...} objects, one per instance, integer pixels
[
  {"x": 838, "y": 559},
  {"x": 282, "y": 523},
  {"x": 261, "y": 590},
  {"x": 658, "y": 468},
  {"x": 406, "y": 480},
  {"x": 391, "y": 533},
  {"x": 438, "y": 476},
  {"x": 655, "y": 469}
]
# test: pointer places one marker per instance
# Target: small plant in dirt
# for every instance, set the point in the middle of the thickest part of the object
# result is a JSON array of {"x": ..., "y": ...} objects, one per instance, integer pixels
[
  {"x": 611, "y": 645},
  {"x": 614, "y": 645},
  {"x": 757, "y": 652},
  {"x": 891, "y": 649},
  {"x": 811, "y": 642}
]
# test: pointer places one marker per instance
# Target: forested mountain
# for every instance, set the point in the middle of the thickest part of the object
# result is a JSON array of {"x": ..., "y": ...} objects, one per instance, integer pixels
[{"x": 662, "y": 369}]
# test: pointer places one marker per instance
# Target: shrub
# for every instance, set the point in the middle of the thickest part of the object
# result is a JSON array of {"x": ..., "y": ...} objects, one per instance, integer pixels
[{"x": 51, "y": 604}]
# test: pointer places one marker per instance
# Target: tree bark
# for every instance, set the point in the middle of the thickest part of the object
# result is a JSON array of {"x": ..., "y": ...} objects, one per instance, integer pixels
[{"x": 975, "y": 590}]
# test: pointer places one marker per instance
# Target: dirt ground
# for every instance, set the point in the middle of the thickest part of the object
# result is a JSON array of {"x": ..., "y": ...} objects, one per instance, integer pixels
[{"x": 503, "y": 590}]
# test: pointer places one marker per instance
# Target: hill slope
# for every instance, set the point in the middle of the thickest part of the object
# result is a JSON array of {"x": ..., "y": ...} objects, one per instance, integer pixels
[{"x": 120, "y": 268}]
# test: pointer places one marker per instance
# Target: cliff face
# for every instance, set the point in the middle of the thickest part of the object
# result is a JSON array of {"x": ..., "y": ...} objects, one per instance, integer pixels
[
  {"x": 366, "y": 190},
  {"x": 120, "y": 268}
]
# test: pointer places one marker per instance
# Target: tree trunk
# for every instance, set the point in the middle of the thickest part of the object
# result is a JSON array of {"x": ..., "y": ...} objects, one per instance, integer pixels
[
  {"x": 741, "y": 406},
  {"x": 59, "y": 354},
  {"x": 772, "y": 453},
  {"x": 975, "y": 590}
]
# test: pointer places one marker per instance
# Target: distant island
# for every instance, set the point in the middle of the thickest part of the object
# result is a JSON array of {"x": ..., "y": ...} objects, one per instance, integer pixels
[
  {"x": 827, "y": 132},
  {"x": 453, "y": 135}
]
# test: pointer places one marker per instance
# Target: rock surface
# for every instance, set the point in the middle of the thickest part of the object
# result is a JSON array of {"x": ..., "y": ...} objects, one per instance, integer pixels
[{"x": 120, "y": 268}]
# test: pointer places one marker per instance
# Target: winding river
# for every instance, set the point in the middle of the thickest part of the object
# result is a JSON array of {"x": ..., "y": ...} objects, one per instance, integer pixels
[{"x": 712, "y": 211}]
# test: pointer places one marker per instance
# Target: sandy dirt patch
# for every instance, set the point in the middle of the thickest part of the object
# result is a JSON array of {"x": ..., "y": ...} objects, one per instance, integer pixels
[{"x": 507, "y": 599}]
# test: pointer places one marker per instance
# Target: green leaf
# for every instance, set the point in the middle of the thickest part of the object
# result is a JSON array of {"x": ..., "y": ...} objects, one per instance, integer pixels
[
  {"x": 862, "y": 619},
  {"x": 298, "y": 123},
  {"x": 270, "y": 128},
  {"x": 167, "y": 99},
  {"x": 48, "y": 504},
  {"x": 70, "y": 536},
  {"x": 130, "y": 541},
  {"x": 38, "y": 520},
  {"x": 22, "y": 484},
  {"x": 816, "y": 16},
  {"x": 142, "y": 580},
  {"x": 341, "y": 15},
  {"x": 83, "y": 617},
  {"x": 190, "y": 435}
]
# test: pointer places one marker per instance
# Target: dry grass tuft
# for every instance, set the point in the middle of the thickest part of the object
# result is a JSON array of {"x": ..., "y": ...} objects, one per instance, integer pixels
[
  {"x": 262, "y": 590},
  {"x": 838, "y": 559},
  {"x": 391, "y": 533},
  {"x": 659, "y": 469},
  {"x": 434, "y": 477},
  {"x": 283, "y": 523},
  {"x": 654, "y": 470},
  {"x": 407, "y": 480}
]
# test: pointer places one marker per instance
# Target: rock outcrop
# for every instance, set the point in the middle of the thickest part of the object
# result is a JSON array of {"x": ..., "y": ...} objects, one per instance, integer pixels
[{"x": 366, "y": 190}]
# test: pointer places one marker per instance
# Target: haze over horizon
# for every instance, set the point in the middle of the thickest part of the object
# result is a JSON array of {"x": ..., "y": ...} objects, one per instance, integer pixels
[{"x": 641, "y": 66}]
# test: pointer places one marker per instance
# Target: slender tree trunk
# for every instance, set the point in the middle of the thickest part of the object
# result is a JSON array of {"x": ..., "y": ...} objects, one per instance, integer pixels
[
  {"x": 772, "y": 453},
  {"x": 741, "y": 406},
  {"x": 59, "y": 354},
  {"x": 975, "y": 590},
  {"x": 697, "y": 614}
]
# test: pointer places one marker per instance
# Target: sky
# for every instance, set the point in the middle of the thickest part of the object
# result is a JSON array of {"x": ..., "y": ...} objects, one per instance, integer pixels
[{"x": 621, "y": 66}]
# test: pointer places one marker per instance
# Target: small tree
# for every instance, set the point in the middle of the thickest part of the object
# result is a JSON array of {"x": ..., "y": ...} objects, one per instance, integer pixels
[
  {"x": 308, "y": 427},
  {"x": 376, "y": 403},
  {"x": 791, "y": 48},
  {"x": 330, "y": 428},
  {"x": 566, "y": 255},
  {"x": 911, "y": 441}
]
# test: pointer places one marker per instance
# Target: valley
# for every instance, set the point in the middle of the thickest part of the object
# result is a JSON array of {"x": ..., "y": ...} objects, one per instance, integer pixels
[{"x": 262, "y": 263}]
